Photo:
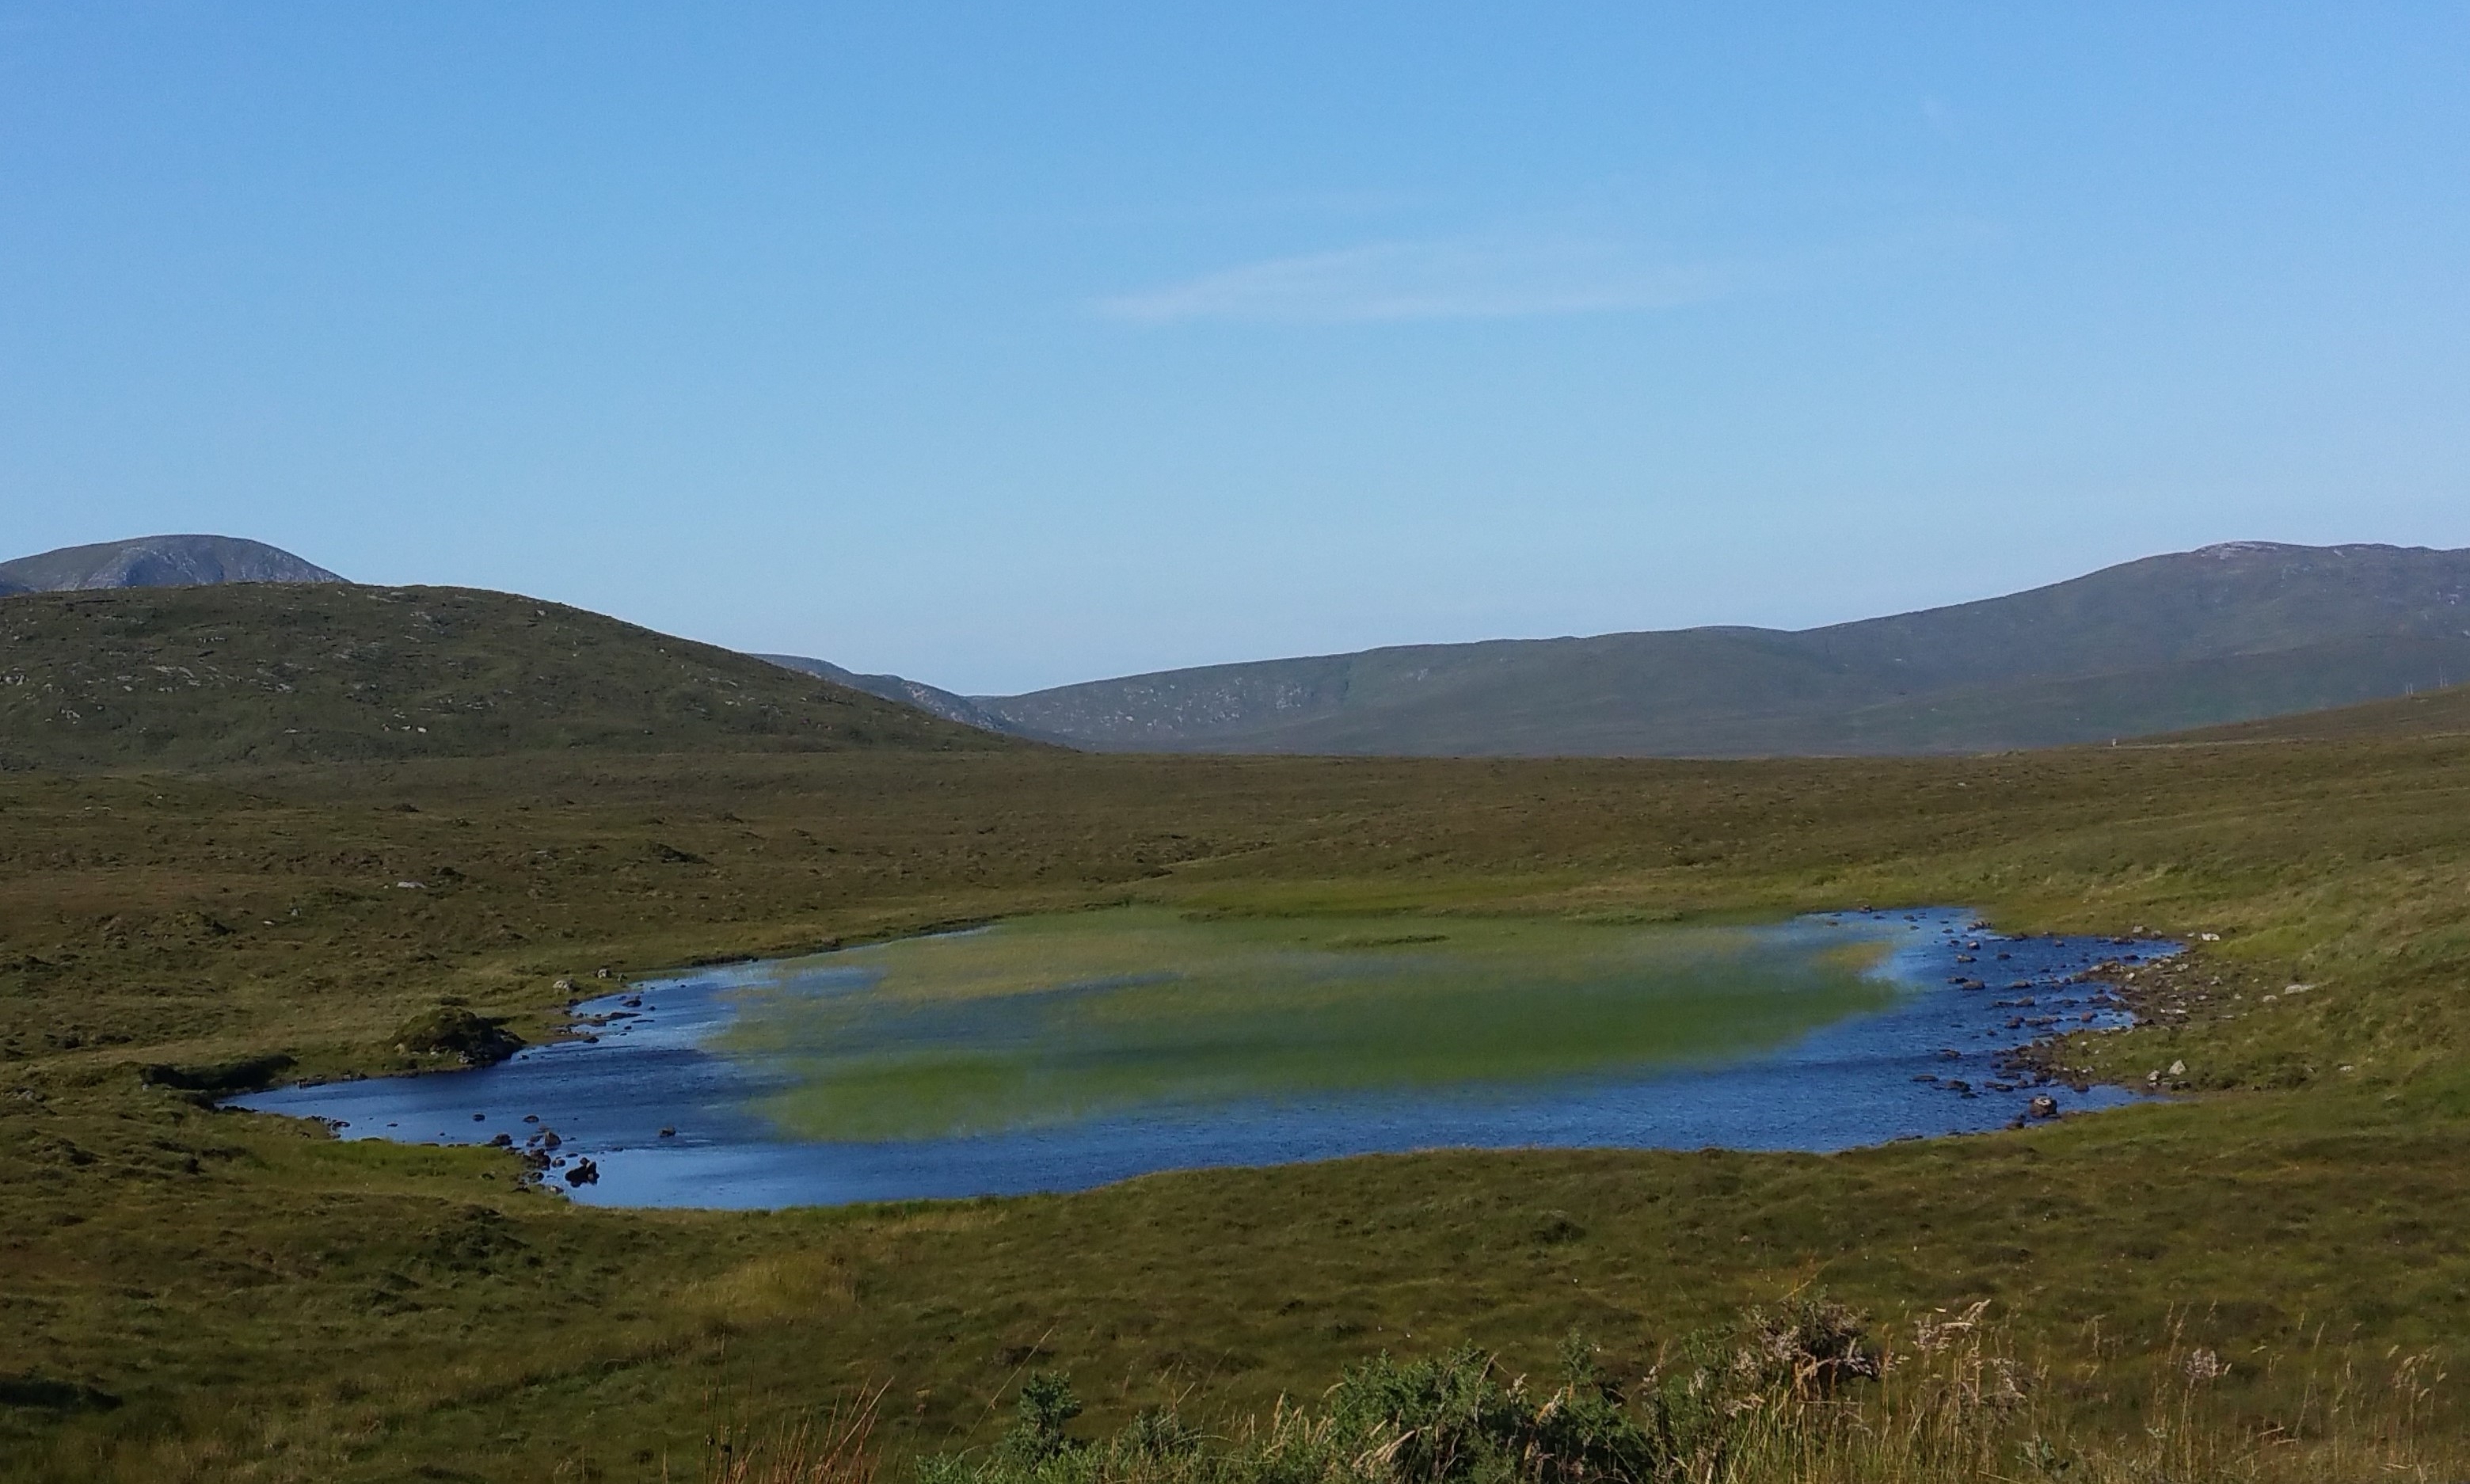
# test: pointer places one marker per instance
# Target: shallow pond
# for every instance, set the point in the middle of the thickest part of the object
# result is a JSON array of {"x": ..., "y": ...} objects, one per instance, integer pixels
[{"x": 1059, "y": 1053}]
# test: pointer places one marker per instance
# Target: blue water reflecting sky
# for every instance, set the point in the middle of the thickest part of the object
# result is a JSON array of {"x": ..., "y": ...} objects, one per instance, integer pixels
[{"x": 1927, "y": 1065}]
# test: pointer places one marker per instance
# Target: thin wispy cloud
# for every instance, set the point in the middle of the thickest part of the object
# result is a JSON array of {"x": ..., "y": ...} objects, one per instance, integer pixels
[{"x": 1429, "y": 280}]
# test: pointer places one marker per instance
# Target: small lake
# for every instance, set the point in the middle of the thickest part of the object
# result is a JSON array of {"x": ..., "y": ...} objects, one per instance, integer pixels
[{"x": 1065, "y": 1052}]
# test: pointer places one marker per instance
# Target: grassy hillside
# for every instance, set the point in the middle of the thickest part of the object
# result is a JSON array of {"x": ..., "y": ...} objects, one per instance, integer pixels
[
  {"x": 2436, "y": 713},
  {"x": 2219, "y": 635},
  {"x": 196, "y": 1296},
  {"x": 189, "y": 677}
]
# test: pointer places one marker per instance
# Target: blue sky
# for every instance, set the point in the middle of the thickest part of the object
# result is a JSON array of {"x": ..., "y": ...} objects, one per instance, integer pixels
[{"x": 1004, "y": 345}]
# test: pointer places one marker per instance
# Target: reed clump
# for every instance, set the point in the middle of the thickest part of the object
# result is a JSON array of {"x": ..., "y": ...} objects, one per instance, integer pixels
[{"x": 1803, "y": 1392}]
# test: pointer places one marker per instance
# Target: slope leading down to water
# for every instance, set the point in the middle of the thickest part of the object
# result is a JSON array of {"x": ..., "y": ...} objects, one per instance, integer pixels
[
  {"x": 156, "y": 562},
  {"x": 190, "y": 677},
  {"x": 2221, "y": 635}
]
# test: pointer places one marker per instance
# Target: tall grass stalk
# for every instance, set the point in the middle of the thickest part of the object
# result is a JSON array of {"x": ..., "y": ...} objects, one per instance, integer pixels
[
  {"x": 837, "y": 1447},
  {"x": 1800, "y": 1394}
]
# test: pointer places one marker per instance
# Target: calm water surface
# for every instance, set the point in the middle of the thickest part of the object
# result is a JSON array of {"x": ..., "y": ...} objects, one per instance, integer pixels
[{"x": 1057, "y": 1054}]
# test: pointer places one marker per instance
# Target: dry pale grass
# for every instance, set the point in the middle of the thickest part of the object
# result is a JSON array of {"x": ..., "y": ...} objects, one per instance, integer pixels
[
  {"x": 1957, "y": 1403},
  {"x": 836, "y": 1447},
  {"x": 1802, "y": 1394}
]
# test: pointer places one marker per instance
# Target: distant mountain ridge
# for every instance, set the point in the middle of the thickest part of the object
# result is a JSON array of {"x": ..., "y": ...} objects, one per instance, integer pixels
[
  {"x": 2220, "y": 635},
  {"x": 156, "y": 562},
  {"x": 2207, "y": 638},
  {"x": 932, "y": 700}
]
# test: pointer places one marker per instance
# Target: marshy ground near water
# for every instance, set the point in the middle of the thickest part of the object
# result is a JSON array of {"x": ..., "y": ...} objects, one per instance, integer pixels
[{"x": 196, "y": 1294}]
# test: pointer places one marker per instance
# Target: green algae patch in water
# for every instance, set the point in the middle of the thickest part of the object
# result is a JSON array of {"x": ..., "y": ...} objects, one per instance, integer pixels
[
  {"x": 1064, "y": 1052},
  {"x": 1044, "y": 1021}
]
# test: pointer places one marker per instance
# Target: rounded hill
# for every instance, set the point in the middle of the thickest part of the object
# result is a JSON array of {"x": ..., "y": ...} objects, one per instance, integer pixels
[
  {"x": 260, "y": 673},
  {"x": 157, "y": 561}
]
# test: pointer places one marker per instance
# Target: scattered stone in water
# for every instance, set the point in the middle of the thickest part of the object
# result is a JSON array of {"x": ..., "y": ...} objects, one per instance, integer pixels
[
  {"x": 2043, "y": 1107},
  {"x": 532, "y": 1118},
  {"x": 669, "y": 1133},
  {"x": 503, "y": 1141},
  {"x": 480, "y": 1118},
  {"x": 584, "y": 1172}
]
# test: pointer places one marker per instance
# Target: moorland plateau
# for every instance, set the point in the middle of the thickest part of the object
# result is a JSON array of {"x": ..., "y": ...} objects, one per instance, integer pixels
[{"x": 199, "y": 890}]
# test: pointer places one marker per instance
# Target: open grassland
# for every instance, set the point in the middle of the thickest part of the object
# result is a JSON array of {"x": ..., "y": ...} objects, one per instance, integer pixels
[{"x": 193, "y": 1294}]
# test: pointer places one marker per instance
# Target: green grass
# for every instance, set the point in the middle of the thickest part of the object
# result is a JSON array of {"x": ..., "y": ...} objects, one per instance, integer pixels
[
  {"x": 1046, "y": 1020},
  {"x": 1805, "y": 1391},
  {"x": 264, "y": 1301}
]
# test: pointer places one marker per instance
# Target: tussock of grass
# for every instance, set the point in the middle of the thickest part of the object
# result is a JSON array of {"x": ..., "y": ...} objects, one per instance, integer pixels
[{"x": 1796, "y": 1393}]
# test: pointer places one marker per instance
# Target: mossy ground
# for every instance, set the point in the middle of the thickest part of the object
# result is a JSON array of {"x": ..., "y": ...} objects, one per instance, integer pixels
[{"x": 262, "y": 1301}]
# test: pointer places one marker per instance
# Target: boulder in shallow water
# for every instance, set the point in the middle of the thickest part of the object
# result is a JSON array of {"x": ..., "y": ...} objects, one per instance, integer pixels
[{"x": 2043, "y": 1107}]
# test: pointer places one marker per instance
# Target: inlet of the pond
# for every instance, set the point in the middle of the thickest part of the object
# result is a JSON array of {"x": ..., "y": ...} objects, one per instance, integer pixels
[{"x": 1058, "y": 1052}]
